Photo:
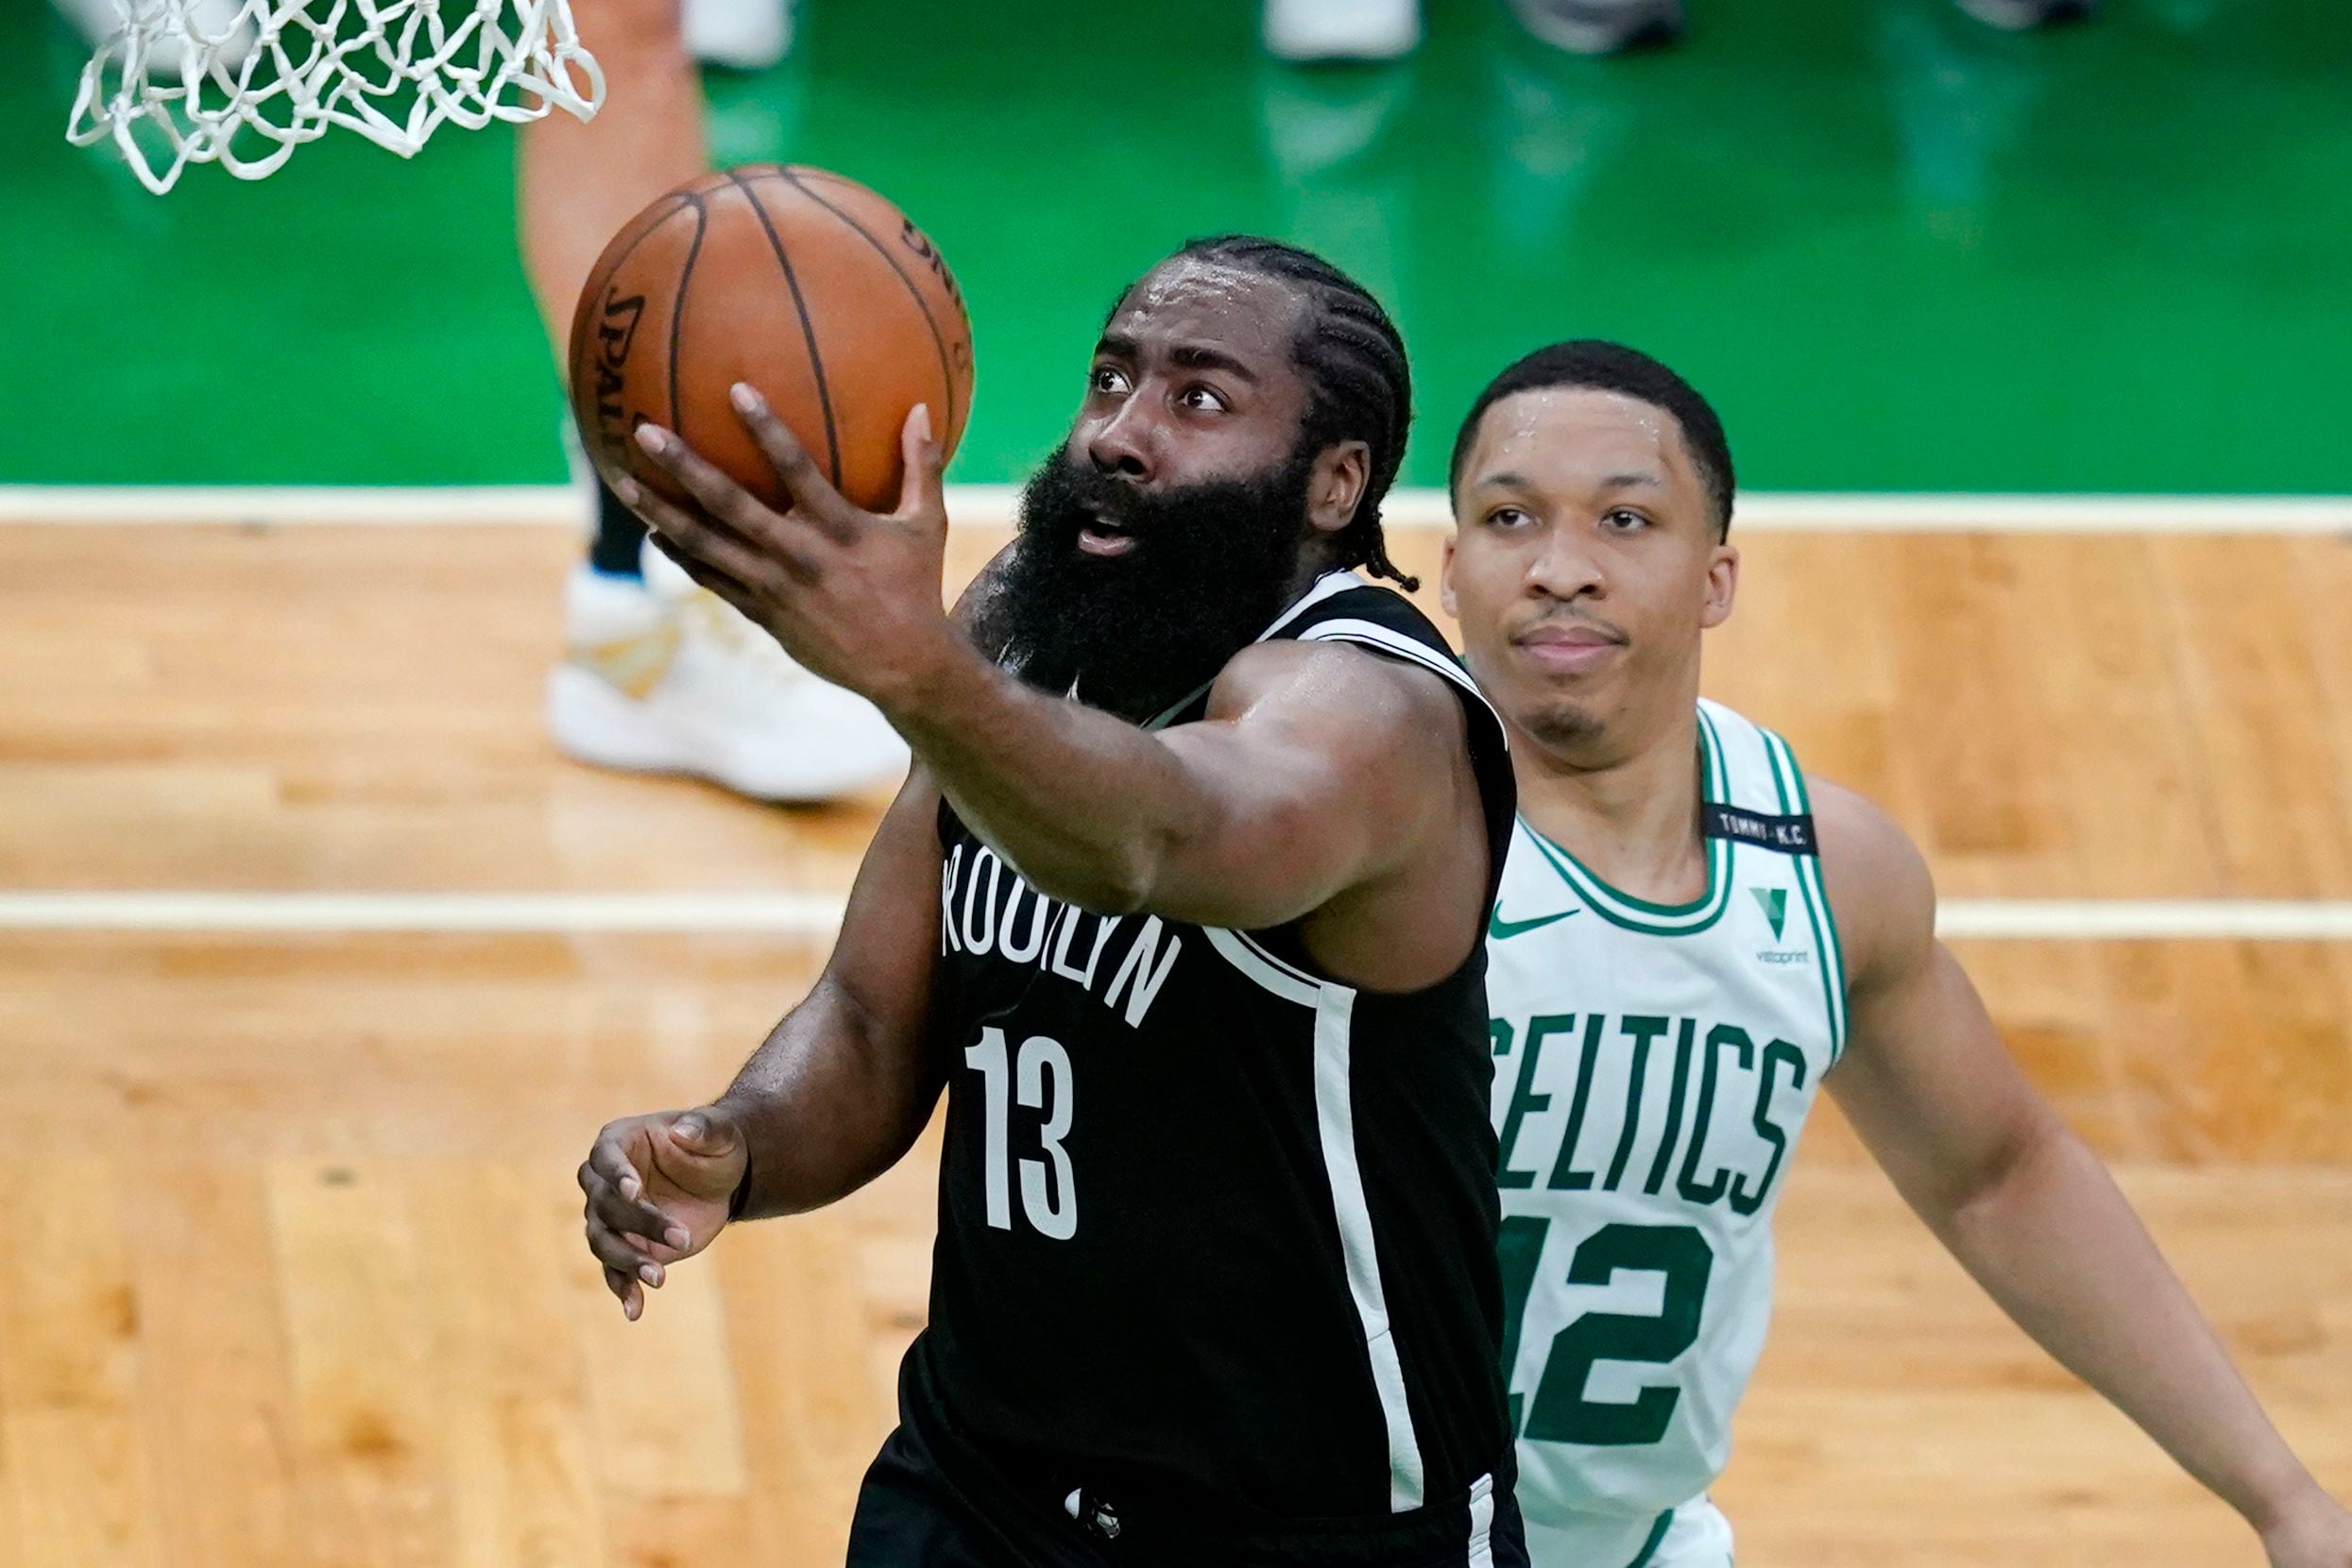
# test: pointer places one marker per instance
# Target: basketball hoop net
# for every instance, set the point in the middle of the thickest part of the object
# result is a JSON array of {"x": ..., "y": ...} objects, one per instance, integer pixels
[{"x": 195, "y": 75}]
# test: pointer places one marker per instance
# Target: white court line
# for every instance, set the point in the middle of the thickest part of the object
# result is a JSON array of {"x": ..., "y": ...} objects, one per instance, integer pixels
[
  {"x": 819, "y": 914},
  {"x": 991, "y": 506},
  {"x": 2146, "y": 920},
  {"x": 291, "y": 505},
  {"x": 778, "y": 914}
]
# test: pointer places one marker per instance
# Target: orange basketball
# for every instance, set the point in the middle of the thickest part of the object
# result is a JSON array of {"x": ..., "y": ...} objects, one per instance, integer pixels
[{"x": 812, "y": 288}]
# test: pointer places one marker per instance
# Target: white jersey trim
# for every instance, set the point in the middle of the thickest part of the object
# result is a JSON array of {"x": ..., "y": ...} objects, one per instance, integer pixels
[
  {"x": 1788, "y": 779},
  {"x": 1482, "y": 1522},
  {"x": 1270, "y": 973},
  {"x": 1335, "y": 1118},
  {"x": 1335, "y": 1126},
  {"x": 1635, "y": 915},
  {"x": 1392, "y": 641},
  {"x": 1325, "y": 587}
]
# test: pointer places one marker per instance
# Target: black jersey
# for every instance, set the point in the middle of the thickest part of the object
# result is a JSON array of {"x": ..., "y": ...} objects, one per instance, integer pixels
[{"x": 1217, "y": 1233}]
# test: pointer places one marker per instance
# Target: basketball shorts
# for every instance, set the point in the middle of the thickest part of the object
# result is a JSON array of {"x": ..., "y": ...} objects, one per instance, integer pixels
[
  {"x": 913, "y": 1513},
  {"x": 1695, "y": 1535}
]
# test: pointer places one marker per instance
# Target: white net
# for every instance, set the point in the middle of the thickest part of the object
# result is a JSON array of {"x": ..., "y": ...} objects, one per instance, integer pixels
[{"x": 243, "y": 83}]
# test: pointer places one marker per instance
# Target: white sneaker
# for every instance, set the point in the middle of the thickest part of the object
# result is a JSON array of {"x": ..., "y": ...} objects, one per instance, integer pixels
[
  {"x": 739, "y": 35},
  {"x": 220, "y": 23},
  {"x": 1308, "y": 30},
  {"x": 664, "y": 678},
  {"x": 2016, "y": 16},
  {"x": 1601, "y": 27}
]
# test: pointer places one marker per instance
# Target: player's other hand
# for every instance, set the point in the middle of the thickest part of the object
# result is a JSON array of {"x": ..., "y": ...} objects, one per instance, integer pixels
[
  {"x": 853, "y": 595},
  {"x": 657, "y": 1188},
  {"x": 2315, "y": 1533}
]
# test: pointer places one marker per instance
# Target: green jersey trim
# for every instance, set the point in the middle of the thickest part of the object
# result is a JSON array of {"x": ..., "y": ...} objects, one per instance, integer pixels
[
  {"x": 1657, "y": 1535},
  {"x": 1787, "y": 777},
  {"x": 1640, "y": 915}
]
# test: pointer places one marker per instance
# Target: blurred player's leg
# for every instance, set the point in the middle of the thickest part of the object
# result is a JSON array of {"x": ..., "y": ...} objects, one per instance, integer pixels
[
  {"x": 1307, "y": 30},
  {"x": 1612, "y": 27},
  {"x": 1601, "y": 27},
  {"x": 657, "y": 676},
  {"x": 2018, "y": 16},
  {"x": 579, "y": 183}
]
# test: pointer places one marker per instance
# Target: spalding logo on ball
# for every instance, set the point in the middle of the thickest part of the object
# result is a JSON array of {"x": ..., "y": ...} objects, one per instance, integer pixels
[{"x": 809, "y": 286}]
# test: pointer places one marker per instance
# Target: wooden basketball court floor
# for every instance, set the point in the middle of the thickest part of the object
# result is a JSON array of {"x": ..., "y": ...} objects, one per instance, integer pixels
[{"x": 296, "y": 1275}]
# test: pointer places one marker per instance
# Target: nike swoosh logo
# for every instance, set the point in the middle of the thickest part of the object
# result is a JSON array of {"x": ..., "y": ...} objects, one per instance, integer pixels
[{"x": 1499, "y": 928}]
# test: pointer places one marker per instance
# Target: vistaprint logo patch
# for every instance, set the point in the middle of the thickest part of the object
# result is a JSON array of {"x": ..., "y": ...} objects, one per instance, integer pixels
[{"x": 1773, "y": 902}]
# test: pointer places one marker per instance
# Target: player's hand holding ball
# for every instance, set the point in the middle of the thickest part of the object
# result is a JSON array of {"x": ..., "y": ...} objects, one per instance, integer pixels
[
  {"x": 765, "y": 363},
  {"x": 658, "y": 1189},
  {"x": 853, "y": 595}
]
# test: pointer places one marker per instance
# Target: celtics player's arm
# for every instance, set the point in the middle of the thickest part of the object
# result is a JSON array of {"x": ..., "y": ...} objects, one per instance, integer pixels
[{"x": 2023, "y": 1203}]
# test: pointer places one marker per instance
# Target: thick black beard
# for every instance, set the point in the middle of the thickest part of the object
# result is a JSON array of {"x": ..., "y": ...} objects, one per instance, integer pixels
[{"x": 1212, "y": 565}]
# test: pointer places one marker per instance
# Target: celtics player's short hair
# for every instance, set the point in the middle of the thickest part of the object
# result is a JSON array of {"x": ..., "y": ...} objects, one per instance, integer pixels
[{"x": 1613, "y": 367}]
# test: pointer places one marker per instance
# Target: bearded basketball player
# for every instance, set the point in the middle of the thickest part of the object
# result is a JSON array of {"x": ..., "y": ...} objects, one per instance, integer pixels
[
  {"x": 1183, "y": 905},
  {"x": 1693, "y": 938}
]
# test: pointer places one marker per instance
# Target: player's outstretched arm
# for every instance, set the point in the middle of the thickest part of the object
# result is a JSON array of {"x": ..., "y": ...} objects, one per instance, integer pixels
[
  {"x": 1320, "y": 770},
  {"x": 839, "y": 1089},
  {"x": 1316, "y": 769},
  {"x": 2025, "y": 1205}
]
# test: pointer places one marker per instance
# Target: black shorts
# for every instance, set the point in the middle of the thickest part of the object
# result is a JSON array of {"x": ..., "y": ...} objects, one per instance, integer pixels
[{"x": 913, "y": 1513}]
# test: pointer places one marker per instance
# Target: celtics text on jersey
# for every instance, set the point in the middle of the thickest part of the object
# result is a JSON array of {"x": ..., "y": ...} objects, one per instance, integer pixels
[{"x": 1654, "y": 1066}]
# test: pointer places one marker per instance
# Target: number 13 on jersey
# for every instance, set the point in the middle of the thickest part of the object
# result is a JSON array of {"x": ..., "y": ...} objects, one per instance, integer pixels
[{"x": 1040, "y": 1081}]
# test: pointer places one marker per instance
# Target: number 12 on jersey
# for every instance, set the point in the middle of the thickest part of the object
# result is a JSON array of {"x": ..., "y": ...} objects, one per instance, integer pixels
[
  {"x": 1561, "y": 1412},
  {"x": 1051, "y": 1208}
]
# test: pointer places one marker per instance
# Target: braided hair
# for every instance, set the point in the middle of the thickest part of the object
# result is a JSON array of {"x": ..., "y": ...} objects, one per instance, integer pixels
[{"x": 1358, "y": 381}]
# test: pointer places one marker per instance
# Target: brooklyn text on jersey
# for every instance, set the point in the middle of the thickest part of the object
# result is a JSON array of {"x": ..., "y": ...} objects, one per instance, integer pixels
[{"x": 1216, "y": 1229}]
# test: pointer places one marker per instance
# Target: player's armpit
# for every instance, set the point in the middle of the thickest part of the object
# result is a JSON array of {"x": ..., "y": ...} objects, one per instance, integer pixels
[
  {"x": 1881, "y": 892},
  {"x": 845, "y": 1083},
  {"x": 1924, "y": 1078}
]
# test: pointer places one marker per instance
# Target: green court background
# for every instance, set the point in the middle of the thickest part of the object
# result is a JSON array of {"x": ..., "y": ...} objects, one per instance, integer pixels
[{"x": 1899, "y": 250}]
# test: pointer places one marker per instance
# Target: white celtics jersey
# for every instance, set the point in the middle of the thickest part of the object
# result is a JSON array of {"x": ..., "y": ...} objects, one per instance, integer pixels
[{"x": 1653, "y": 1066}]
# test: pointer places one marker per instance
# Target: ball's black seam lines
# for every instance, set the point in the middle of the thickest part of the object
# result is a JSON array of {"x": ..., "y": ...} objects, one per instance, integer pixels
[{"x": 807, "y": 328}]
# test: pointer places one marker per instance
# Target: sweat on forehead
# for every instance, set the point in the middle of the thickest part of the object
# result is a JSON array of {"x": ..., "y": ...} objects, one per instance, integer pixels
[
  {"x": 1585, "y": 418},
  {"x": 1203, "y": 291}
]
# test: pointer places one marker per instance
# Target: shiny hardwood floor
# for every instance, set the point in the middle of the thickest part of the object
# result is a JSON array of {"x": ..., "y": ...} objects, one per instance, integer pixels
[
  {"x": 297, "y": 1278},
  {"x": 2052, "y": 716}
]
